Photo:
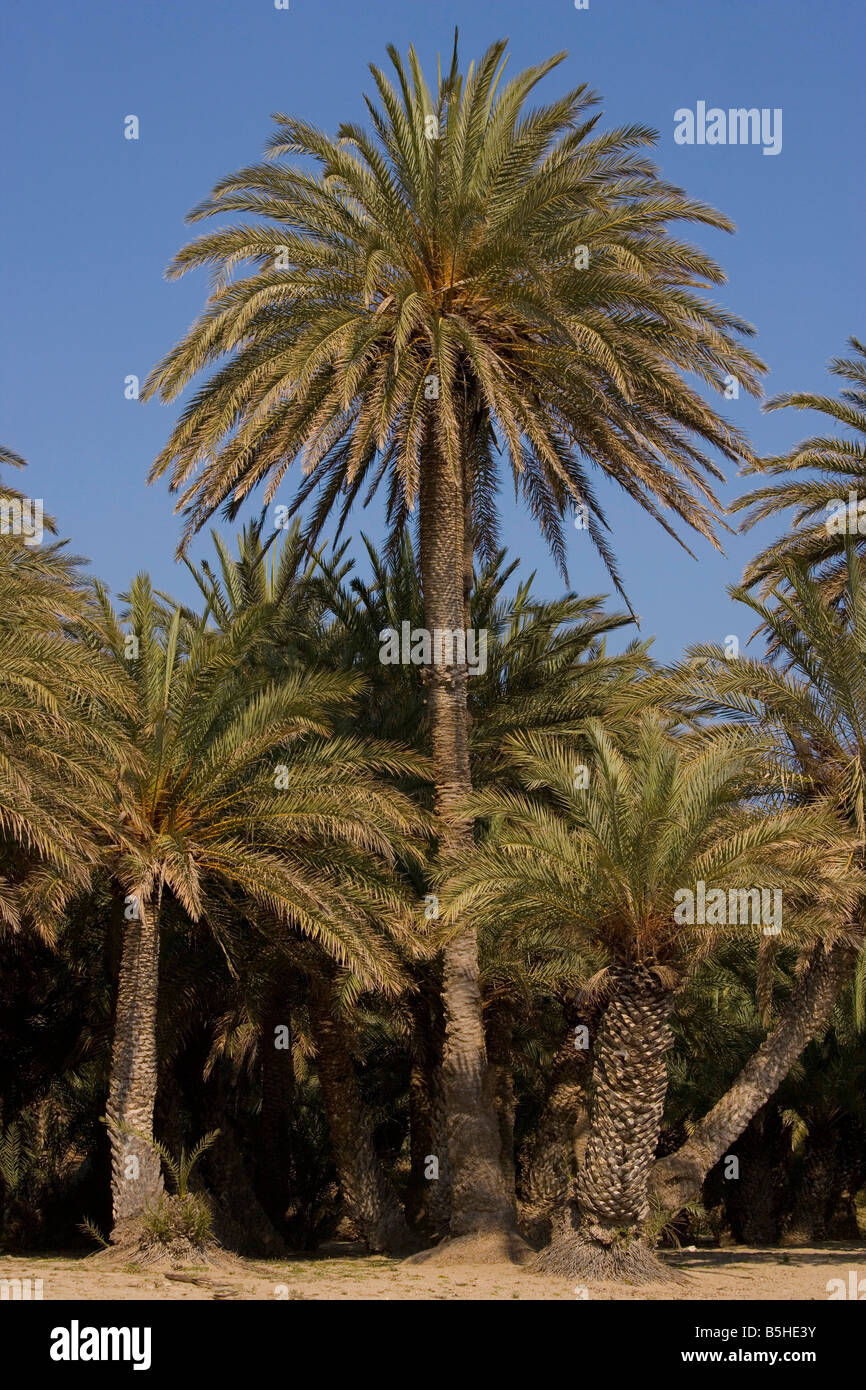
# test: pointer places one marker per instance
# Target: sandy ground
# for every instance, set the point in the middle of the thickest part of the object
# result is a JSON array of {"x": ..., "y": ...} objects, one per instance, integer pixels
[{"x": 737, "y": 1273}]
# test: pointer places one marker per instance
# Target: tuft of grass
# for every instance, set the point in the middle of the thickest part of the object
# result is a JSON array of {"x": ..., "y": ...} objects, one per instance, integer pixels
[{"x": 186, "y": 1217}]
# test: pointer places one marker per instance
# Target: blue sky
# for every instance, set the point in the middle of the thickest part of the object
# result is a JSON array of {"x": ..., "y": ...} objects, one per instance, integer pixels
[{"x": 91, "y": 220}]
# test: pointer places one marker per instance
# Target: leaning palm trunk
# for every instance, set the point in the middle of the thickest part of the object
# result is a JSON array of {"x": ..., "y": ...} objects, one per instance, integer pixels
[
  {"x": 136, "y": 1179},
  {"x": 480, "y": 1200},
  {"x": 630, "y": 1084},
  {"x": 678, "y": 1179},
  {"x": 368, "y": 1193}
]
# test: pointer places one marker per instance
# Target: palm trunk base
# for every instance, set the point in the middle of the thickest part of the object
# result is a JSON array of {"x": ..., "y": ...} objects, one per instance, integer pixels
[
  {"x": 135, "y": 1241},
  {"x": 600, "y": 1254},
  {"x": 479, "y": 1248}
]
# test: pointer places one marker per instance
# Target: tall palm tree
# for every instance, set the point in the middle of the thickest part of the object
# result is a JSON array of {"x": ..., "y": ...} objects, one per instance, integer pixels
[
  {"x": 606, "y": 862},
  {"x": 547, "y": 668},
  {"x": 826, "y": 469},
  {"x": 808, "y": 708},
  {"x": 473, "y": 274},
  {"x": 239, "y": 796}
]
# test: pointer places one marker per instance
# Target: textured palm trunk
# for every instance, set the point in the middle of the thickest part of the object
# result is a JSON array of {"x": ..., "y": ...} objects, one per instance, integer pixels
[
  {"x": 427, "y": 1200},
  {"x": 241, "y": 1223},
  {"x": 368, "y": 1193},
  {"x": 629, "y": 1088},
  {"x": 479, "y": 1196},
  {"x": 136, "y": 1178},
  {"x": 678, "y": 1179},
  {"x": 499, "y": 1033},
  {"x": 755, "y": 1199},
  {"x": 439, "y": 1198},
  {"x": 560, "y": 1138},
  {"x": 833, "y": 1171}
]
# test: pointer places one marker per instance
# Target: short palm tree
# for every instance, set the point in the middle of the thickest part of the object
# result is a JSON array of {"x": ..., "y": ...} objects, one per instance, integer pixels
[
  {"x": 240, "y": 802},
  {"x": 472, "y": 275},
  {"x": 826, "y": 469},
  {"x": 807, "y": 708},
  {"x": 606, "y": 862}
]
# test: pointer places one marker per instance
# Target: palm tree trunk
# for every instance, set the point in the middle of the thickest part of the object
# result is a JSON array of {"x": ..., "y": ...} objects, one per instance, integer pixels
[
  {"x": 136, "y": 1178},
  {"x": 278, "y": 1084},
  {"x": 499, "y": 1033},
  {"x": 833, "y": 1170},
  {"x": 755, "y": 1200},
  {"x": 368, "y": 1193},
  {"x": 428, "y": 1205},
  {"x": 629, "y": 1089},
  {"x": 550, "y": 1161},
  {"x": 678, "y": 1179},
  {"x": 479, "y": 1196}
]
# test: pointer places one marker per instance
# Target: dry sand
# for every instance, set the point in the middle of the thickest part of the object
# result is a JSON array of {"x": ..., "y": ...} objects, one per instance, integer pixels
[{"x": 736, "y": 1273}]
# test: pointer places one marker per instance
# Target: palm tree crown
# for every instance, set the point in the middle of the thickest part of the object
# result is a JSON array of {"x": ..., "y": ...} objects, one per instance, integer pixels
[{"x": 432, "y": 273}]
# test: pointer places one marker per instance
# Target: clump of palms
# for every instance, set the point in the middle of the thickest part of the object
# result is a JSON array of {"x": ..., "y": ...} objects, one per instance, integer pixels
[
  {"x": 416, "y": 298},
  {"x": 602, "y": 859}
]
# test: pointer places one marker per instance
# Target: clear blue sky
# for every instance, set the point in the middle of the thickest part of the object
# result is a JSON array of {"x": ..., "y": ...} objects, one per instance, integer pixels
[{"x": 90, "y": 221}]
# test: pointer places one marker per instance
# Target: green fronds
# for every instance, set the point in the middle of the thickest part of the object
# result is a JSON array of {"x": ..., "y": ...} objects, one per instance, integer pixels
[
  {"x": 601, "y": 838},
  {"x": 442, "y": 243},
  {"x": 61, "y": 706},
  {"x": 824, "y": 471}
]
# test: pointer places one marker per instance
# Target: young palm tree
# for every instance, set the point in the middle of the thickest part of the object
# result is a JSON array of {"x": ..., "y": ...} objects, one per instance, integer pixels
[
  {"x": 239, "y": 797},
  {"x": 272, "y": 578},
  {"x": 472, "y": 274},
  {"x": 821, "y": 519},
  {"x": 808, "y": 708},
  {"x": 607, "y": 861}
]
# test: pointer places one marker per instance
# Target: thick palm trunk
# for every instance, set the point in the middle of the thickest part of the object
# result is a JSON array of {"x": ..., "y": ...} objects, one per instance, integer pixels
[
  {"x": 629, "y": 1088},
  {"x": 499, "y": 1033},
  {"x": 550, "y": 1161},
  {"x": 241, "y": 1223},
  {"x": 755, "y": 1200},
  {"x": 479, "y": 1197},
  {"x": 678, "y": 1179},
  {"x": 136, "y": 1179},
  {"x": 368, "y": 1193},
  {"x": 428, "y": 1205}
]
